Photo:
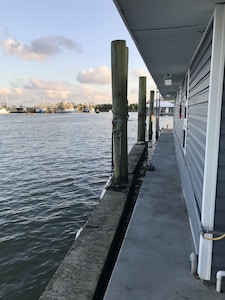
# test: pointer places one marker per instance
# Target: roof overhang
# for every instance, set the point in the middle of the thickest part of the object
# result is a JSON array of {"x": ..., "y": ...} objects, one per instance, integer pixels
[{"x": 166, "y": 33}]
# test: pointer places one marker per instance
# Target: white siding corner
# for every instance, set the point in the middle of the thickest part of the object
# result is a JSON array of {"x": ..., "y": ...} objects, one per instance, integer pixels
[{"x": 212, "y": 140}]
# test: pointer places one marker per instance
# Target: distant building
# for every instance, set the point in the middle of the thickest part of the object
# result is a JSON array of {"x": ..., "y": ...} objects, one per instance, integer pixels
[{"x": 164, "y": 107}]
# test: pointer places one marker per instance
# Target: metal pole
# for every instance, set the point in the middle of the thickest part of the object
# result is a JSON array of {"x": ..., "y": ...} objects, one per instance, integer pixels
[
  {"x": 141, "y": 109},
  {"x": 119, "y": 58}
]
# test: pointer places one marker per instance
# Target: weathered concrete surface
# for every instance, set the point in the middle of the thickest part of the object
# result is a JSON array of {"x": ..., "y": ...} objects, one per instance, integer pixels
[
  {"x": 79, "y": 275},
  {"x": 153, "y": 263}
]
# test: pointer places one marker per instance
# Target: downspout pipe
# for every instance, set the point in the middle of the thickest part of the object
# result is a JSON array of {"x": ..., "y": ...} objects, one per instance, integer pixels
[{"x": 219, "y": 275}]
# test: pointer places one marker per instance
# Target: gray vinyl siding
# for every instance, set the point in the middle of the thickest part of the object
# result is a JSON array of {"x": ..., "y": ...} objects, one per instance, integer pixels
[
  {"x": 197, "y": 115},
  {"x": 218, "y": 261},
  {"x": 192, "y": 158},
  {"x": 189, "y": 196}
]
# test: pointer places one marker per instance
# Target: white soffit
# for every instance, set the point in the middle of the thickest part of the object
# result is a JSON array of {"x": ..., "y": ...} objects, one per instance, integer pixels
[{"x": 166, "y": 33}]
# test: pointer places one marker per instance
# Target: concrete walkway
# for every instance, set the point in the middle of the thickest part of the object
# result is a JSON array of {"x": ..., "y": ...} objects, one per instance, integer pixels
[{"x": 153, "y": 262}]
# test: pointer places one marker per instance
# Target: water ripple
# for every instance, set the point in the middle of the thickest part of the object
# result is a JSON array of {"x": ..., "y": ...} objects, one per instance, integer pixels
[{"x": 53, "y": 169}]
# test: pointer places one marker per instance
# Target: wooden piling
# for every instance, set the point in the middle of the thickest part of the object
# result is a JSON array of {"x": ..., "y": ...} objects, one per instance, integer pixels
[
  {"x": 141, "y": 109},
  {"x": 157, "y": 117},
  {"x": 151, "y": 115},
  {"x": 119, "y": 60}
]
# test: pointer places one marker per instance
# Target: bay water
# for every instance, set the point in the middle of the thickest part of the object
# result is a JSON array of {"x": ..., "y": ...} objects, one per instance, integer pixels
[{"x": 53, "y": 168}]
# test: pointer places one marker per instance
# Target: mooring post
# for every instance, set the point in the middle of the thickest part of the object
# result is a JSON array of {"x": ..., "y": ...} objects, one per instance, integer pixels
[
  {"x": 157, "y": 117},
  {"x": 151, "y": 114},
  {"x": 119, "y": 58},
  {"x": 141, "y": 109}
]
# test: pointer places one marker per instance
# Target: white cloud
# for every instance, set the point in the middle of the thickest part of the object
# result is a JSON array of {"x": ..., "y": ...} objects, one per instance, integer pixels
[
  {"x": 134, "y": 90},
  {"x": 87, "y": 93},
  {"x": 101, "y": 75},
  {"x": 52, "y": 91},
  {"x": 136, "y": 73},
  {"x": 39, "y": 49},
  {"x": 34, "y": 90},
  {"x": 38, "y": 83}
]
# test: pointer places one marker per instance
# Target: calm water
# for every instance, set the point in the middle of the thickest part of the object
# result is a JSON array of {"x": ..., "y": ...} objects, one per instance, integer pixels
[{"x": 53, "y": 169}]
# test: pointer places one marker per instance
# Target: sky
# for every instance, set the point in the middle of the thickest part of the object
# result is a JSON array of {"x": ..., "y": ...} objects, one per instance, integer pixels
[{"x": 54, "y": 50}]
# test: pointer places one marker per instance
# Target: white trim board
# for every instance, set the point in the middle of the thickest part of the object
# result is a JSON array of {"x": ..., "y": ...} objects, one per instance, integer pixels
[{"x": 212, "y": 140}]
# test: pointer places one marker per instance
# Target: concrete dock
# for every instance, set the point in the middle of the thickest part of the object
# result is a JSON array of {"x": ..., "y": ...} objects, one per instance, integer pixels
[
  {"x": 86, "y": 269},
  {"x": 154, "y": 260}
]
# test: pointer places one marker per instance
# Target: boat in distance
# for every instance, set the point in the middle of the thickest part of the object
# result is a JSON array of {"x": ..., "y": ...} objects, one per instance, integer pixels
[
  {"x": 3, "y": 110},
  {"x": 65, "y": 110}
]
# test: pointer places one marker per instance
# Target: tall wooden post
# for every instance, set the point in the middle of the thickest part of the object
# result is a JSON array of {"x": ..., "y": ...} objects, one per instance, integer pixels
[
  {"x": 141, "y": 109},
  {"x": 157, "y": 117},
  {"x": 151, "y": 114},
  {"x": 119, "y": 58}
]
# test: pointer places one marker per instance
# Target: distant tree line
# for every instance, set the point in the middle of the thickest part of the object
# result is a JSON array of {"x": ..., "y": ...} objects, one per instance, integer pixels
[
  {"x": 107, "y": 107},
  {"x": 47, "y": 107},
  {"x": 103, "y": 107},
  {"x": 133, "y": 107}
]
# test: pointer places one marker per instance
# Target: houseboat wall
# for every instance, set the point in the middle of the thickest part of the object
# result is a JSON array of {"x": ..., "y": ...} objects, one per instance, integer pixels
[
  {"x": 196, "y": 135},
  {"x": 190, "y": 123},
  {"x": 218, "y": 259}
]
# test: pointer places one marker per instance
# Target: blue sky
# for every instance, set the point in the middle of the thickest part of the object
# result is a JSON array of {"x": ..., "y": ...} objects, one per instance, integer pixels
[{"x": 52, "y": 50}]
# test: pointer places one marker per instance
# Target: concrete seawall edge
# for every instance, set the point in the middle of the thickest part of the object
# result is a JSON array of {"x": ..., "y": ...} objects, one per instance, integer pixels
[{"x": 85, "y": 270}]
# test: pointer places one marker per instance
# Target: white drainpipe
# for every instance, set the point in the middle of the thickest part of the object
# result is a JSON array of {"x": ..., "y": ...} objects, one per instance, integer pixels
[{"x": 219, "y": 276}]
